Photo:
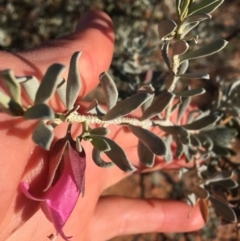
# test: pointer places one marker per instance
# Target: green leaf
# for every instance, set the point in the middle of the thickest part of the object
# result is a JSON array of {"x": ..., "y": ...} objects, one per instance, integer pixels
[
  {"x": 110, "y": 89},
  {"x": 10, "y": 106},
  {"x": 183, "y": 68},
  {"x": 154, "y": 143},
  {"x": 205, "y": 6},
  {"x": 12, "y": 85},
  {"x": 39, "y": 111},
  {"x": 185, "y": 102},
  {"x": 146, "y": 157},
  {"x": 158, "y": 105},
  {"x": 43, "y": 135},
  {"x": 126, "y": 106},
  {"x": 118, "y": 156},
  {"x": 187, "y": 28},
  {"x": 73, "y": 81},
  {"x": 49, "y": 83},
  {"x": 100, "y": 144},
  {"x": 195, "y": 18},
  {"x": 166, "y": 27},
  {"x": 96, "y": 156},
  {"x": 209, "y": 49}
]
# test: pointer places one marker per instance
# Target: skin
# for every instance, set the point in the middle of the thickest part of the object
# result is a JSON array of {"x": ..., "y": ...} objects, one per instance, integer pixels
[{"x": 95, "y": 217}]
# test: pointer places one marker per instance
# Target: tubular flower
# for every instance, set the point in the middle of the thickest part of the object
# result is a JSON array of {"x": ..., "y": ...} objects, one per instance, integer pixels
[{"x": 65, "y": 182}]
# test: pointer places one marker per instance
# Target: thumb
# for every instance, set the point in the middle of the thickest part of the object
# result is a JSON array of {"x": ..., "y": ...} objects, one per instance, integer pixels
[{"x": 133, "y": 216}]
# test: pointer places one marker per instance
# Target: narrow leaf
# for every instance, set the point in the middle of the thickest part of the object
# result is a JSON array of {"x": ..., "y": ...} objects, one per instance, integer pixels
[
  {"x": 194, "y": 75},
  {"x": 126, "y": 106},
  {"x": 232, "y": 87},
  {"x": 39, "y": 111},
  {"x": 183, "y": 68},
  {"x": 100, "y": 131},
  {"x": 196, "y": 18},
  {"x": 110, "y": 89},
  {"x": 205, "y": 6},
  {"x": 187, "y": 29},
  {"x": 147, "y": 88},
  {"x": 10, "y": 106},
  {"x": 146, "y": 157},
  {"x": 95, "y": 109},
  {"x": 43, "y": 135},
  {"x": 158, "y": 105},
  {"x": 12, "y": 85},
  {"x": 185, "y": 102},
  {"x": 61, "y": 91},
  {"x": 73, "y": 81},
  {"x": 168, "y": 156},
  {"x": 154, "y": 143},
  {"x": 118, "y": 156},
  {"x": 202, "y": 123},
  {"x": 190, "y": 93},
  {"x": 180, "y": 47},
  {"x": 200, "y": 192},
  {"x": 49, "y": 83},
  {"x": 178, "y": 131},
  {"x": 166, "y": 27},
  {"x": 96, "y": 156},
  {"x": 224, "y": 210},
  {"x": 206, "y": 50},
  {"x": 31, "y": 86},
  {"x": 100, "y": 144}
]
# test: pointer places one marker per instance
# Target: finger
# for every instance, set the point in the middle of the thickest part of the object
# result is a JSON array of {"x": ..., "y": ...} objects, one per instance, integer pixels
[
  {"x": 116, "y": 216},
  {"x": 93, "y": 36}
]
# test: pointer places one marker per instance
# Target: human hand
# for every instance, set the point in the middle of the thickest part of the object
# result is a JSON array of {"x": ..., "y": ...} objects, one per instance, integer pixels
[{"x": 94, "y": 217}]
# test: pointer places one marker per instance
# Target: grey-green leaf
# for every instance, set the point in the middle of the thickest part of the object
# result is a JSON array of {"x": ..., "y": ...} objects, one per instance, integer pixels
[
  {"x": 205, "y": 6},
  {"x": 49, "y": 83},
  {"x": 202, "y": 123},
  {"x": 73, "y": 81},
  {"x": 158, "y": 105},
  {"x": 178, "y": 131},
  {"x": 168, "y": 156},
  {"x": 99, "y": 131},
  {"x": 110, "y": 89},
  {"x": 43, "y": 135},
  {"x": 118, "y": 156},
  {"x": 200, "y": 192},
  {"x": 183, "y": 67},
  {"x": 154, "y": 143},
  {"x": 147, "y": 88},
  {"x": 190, "y": 93},
  {"x": 10, "y": 106},
  {"x": 12, "y": 85},
  {"x": 95, "y": 109},
  {"x": 223, "y": 209},
  {"x": 196, "y": 18},
  {"x": 146, "y": 157},
  {"x": 206, "y": 50},
  {"x": 30, "y": 85},
  {"x": 96, "y": 156},
  {"x": 185, "y": 102},
  {"x": 180, "y": 47},
  {"x": 126, "y": 106},
  {"x": 100, "y": 144},
  {"x": 61, "y": 91},
  {"x": 194, "y": 75},
  {"x": 39, "y": 111},
  {"x": 166, "y": 27}
]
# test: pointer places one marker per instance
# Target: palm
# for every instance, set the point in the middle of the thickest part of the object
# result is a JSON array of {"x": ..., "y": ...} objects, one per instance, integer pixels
[{"x": 93, "y": 218}]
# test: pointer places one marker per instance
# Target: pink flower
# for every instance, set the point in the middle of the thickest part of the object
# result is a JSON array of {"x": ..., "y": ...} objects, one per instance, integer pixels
[{"x": 65, "y": 183}]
